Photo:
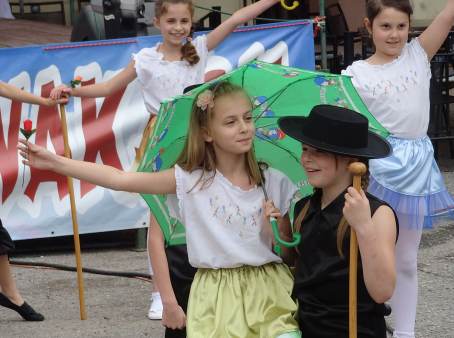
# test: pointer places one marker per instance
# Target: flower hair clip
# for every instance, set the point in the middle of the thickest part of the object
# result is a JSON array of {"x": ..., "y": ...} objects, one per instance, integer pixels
[{"x": 205, "y": 100}]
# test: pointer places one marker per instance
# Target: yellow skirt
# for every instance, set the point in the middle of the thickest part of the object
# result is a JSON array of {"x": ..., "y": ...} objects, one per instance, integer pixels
[
  {"x": 244, "y": 302},
  {"x": 145, "y": 137}
]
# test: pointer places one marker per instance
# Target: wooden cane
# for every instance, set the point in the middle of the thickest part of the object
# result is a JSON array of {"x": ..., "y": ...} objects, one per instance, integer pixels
[
  {"x": 358, "y": 169},
  {"x": 80, "y": 279},
  {"x": 290, "y": 8}
]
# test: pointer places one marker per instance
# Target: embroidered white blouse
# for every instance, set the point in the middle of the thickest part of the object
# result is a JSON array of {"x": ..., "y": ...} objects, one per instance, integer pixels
[
  {"x": 397, "y": 93},
  {"x": 161, "y": 79},
  {"x": 225, "y": 225}
]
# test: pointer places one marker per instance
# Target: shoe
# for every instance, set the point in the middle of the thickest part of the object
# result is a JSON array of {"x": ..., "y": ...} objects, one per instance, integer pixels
[
  {"x": 155, "y": 311},
  {"x": 25, "y": 310},
  {"x": 389, "y": 328}
]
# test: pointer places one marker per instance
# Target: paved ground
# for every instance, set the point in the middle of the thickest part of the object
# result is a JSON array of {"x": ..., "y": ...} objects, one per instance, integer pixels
[{"x": 117, "y": 307}]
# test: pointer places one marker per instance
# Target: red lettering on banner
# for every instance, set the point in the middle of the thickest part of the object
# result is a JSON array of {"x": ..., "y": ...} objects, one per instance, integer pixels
[
  {"x": 48, "y": 123},
  {"x": 98, "y": 132},
  {"x": 9, "y": 169}
]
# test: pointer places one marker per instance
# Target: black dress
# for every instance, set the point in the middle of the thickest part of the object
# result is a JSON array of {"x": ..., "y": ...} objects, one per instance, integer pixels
[
  {"x": 6, "y": 243},
  {"x": 321, "y": 277}
]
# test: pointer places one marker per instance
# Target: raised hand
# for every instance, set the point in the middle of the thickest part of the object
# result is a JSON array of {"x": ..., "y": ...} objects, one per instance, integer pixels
[
  {"x": 61, "y": 93},
  {"x": 357, "y": 209},
  {"x": 36, "y": 156},
  {"x": 51, "y": 102}
]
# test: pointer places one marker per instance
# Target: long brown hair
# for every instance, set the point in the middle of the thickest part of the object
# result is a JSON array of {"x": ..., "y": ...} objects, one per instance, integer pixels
[
  {"x": 188, "y": 51},
  {"x": 374, "y": 7},
  {"x": 198, "y": 154},
  {"x": 343, "y": 225}
]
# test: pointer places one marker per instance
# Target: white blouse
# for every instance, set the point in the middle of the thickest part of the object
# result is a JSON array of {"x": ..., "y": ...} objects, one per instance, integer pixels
[
  {"x": 397, "y": 93},
  {"x": 161, "y": 79},
  {"x": 225, "y": 225}
]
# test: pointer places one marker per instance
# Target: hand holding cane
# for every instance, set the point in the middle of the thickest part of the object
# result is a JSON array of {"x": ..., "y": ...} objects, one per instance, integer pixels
[
  {"x": 358, "y": 169},
  {"x": 80, "y": 280}
]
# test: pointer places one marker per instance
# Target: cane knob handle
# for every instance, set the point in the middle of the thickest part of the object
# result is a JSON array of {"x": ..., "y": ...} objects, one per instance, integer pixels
[
  {"x": 357, "y": 168},
  {"x": 289, "y": 8}
]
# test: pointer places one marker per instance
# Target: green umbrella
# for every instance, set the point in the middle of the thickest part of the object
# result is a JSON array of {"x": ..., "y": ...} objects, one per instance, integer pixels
[{"x": 276, "y": 91}]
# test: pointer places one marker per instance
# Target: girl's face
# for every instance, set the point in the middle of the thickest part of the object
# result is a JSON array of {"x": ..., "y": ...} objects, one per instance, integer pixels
[
  {"x": 175, "y": 23},
  {"x": 324, "y": 169},
  {"x": 231, "y": 128},
  {"x": 389, "y": 32}
]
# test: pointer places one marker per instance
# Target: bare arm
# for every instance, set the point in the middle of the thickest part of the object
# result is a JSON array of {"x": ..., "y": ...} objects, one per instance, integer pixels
[
  {"x": 433, "y": 37},
  {"x": 14, "y": 93},
  {"x": 106, "y": 176},
  {"x": 377, "y": 248},
  {"x": 240, "y": 17},
  {"x": 173, "y": 315},
  {"x": 376, "y": 241},
  {"x": 101, "y": 89}
]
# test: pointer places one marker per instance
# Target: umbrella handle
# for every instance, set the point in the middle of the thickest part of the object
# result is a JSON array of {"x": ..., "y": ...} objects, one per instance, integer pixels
[
  {"x": 277, "y": 247},
  {"x": 290, "y": 8},
  {"x": 358, "y": 169}
]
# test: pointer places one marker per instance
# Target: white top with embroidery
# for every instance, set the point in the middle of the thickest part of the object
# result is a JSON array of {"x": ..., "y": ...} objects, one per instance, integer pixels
[
  {"x": 397, "y": 93},
  {"x": 161, "y": 79},
  {"x": 224, "y": 223}
]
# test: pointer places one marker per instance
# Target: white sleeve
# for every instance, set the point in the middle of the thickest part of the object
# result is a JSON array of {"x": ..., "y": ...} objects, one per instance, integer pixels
[
  {"x": 280, "y": 189},
  {"x": 200, "y": 44},
  {"x": 347, "y": 71},
  {"x": 139, "y": 66},
  {"x": 175, "y": 202},
  {"x": 417, "y": 52}
]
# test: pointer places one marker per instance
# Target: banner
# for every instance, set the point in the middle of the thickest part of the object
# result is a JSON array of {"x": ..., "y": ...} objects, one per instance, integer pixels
[{"x": 35, "y": 203}]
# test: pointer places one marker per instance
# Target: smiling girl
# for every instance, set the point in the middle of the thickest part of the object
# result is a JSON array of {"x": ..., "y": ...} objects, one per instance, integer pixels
[
  {"x": 394, "y": 83},
  {"x": 241, "y": 288},
  {"x": 164, "y": 71}
]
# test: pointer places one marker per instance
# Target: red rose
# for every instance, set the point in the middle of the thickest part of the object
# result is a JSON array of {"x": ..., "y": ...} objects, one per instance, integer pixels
[
  {"x": 28, "y": 130},
  {"x": 28, "y": 125}
]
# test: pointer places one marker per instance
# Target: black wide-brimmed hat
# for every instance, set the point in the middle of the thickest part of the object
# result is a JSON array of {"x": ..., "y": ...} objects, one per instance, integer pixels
[{"x": 337, "y": 130}]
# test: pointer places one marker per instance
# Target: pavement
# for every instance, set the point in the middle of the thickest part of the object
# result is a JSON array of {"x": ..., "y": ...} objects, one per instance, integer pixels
[{"x": 117, "y": 306}]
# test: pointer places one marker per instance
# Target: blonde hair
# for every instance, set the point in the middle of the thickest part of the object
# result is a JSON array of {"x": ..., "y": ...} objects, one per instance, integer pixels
[
  {"x": 199, "y": 154},
  {"x": 188, "y": 51}
]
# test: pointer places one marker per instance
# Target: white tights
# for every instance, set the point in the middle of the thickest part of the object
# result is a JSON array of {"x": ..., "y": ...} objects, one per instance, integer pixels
[{"x": 405, "y": 297}]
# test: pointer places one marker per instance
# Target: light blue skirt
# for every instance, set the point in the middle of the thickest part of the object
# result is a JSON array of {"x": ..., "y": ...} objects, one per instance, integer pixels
[{"x": 411, "y": 182}]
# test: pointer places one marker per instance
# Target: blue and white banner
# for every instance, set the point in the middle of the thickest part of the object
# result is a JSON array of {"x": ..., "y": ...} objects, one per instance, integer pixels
[{"x": 34, "y": 203}]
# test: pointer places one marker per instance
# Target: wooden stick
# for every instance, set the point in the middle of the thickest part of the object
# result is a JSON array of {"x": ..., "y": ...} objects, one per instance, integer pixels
[
  {"x": 80, "y": 279},
  {"x": 358, "y": 169}
]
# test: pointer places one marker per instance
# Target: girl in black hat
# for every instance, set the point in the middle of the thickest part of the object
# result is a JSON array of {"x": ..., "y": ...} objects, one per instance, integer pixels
[{"x": 332, "y": 138}]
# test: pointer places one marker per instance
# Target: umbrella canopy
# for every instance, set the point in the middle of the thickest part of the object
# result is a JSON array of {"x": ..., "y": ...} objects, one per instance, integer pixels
[{"x": 276, "y": 91}]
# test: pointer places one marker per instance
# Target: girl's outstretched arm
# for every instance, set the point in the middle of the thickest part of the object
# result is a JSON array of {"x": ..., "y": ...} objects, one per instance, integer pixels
[
  {"x": 240, "y": 17},
  {"x": 433, "y": 37},
  {"x": 173, "y": 315},
  {"x": 101, "y": 89},
  {"x": 103, "y": 175},
  {"x": 14, "y": 93},
  {"x": 376, "y": 241}
]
